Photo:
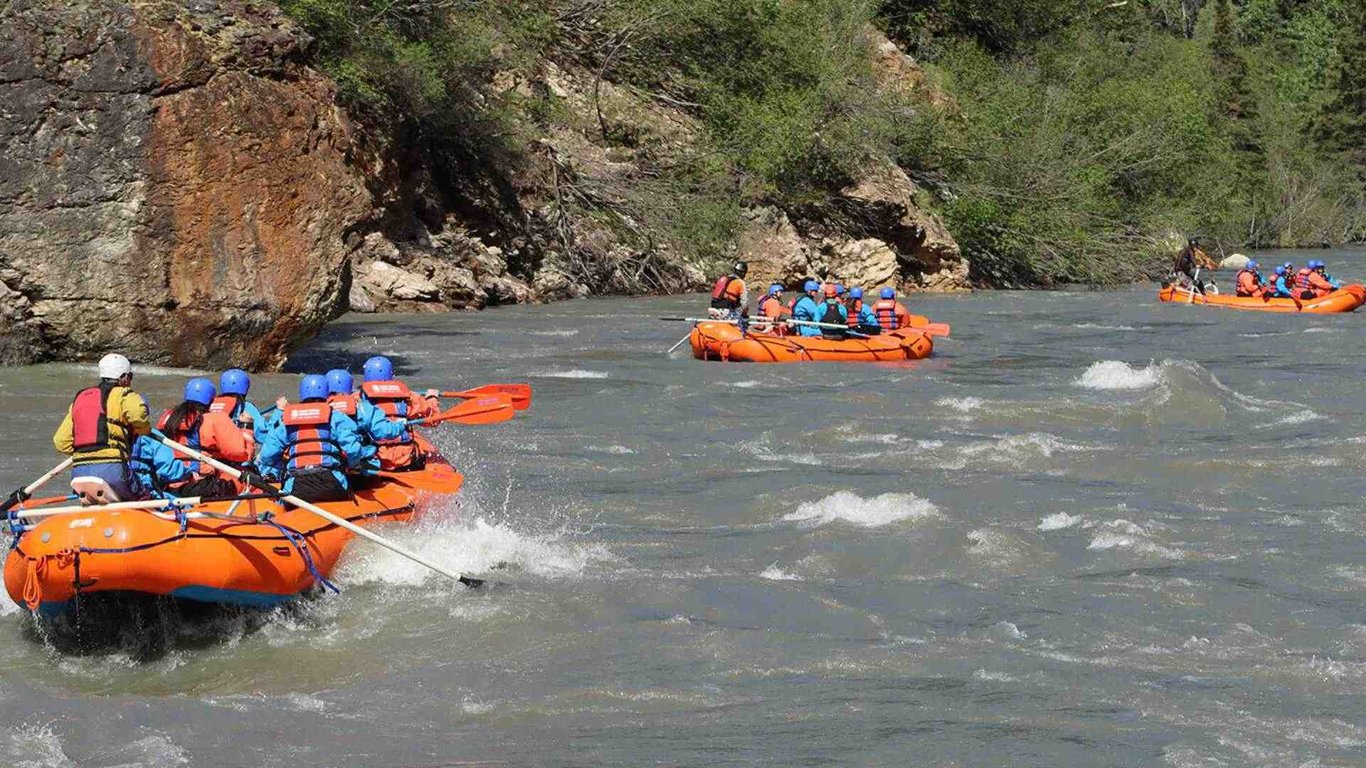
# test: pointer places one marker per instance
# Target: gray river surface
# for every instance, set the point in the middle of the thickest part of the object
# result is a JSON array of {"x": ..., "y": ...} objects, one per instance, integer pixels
[{"x": 1092, "y": 530}]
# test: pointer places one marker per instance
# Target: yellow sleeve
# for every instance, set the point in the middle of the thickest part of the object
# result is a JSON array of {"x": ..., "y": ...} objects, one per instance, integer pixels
[
  {"x": 135, "y": 413},
  {"x": 63, "y": 439}
]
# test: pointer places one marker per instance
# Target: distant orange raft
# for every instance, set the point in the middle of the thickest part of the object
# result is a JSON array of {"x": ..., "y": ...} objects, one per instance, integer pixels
[
  {"x": 724, "y": 341},
  {"x": 205, "y": 554},
  {"x": 1345, "y": 299}
]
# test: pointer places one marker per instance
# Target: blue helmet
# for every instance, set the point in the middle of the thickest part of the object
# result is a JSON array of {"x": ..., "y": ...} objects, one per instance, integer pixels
[
  {"x": 378, "y": 368},
  {"x": 313, "y": 387},
  {"x": 1280, "y": 271},
  {"x": 888, "y": 293},
  {"x": 339, "y": 381},
  {"x": 1315, "y": 264},
  {"x": 1288, "y": 266},
  {"x": 855, "y": 293},
  {"x": 775, "y": 289},
  {"x": 234, "y": 381},
  {"x": 1251, "y": 264},
  {"x": 811, "y": 285},
  {"x": 200, "y": 391},
  {"x": 839, "y": 289}
]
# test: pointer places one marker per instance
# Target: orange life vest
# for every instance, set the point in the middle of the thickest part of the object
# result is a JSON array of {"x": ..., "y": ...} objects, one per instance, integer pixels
[
  {"x": 343, "y": 404},
  {"x": 90, "y": 420},
  {"x": 771, "y": 307},
  {"x": 885, "y": 310},
  {"x": 1302, "y": 279},
  {"x": 391, "y": 397},
  {"x": 726, "y": 293},
  {"x": 855, "y": 307},
  {"x": 308, "y": 432},
  {"x": 1247, "y": 282}
]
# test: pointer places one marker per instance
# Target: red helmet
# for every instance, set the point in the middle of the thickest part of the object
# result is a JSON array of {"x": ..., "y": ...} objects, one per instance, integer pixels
[{"x": 830, "y": 292}]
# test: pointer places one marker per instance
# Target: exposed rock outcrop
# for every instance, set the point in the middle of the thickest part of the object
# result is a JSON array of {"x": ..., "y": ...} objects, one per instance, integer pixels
[{"x": 176, "y": 185}]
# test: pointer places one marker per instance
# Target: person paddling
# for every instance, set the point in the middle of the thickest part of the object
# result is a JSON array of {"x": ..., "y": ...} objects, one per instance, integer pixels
[
  {"x": 399, "y": 404},
  {"x": 1282, "y": 284},
  {"x": 832, "y": 312},
  {"x": 1318, "y": 282},
  {"x": 808, "y": 308},
  {"x": 890, "y": 314},
  {"x": 370, "y": 421},
  {"x": 1189, "y": 261},
  {"x": 194, "y": 424},
  {"x": 233, "y": 386},
  {"x": 1322, "y": 270},
  {"x": 1248, "y": 282},
  {"x": 772, "y": 308},
  {"x": 861, "y": 316},
  {"x": 311, "y": 446},
  {"x": 99, "y": 428},
  {"x": 729, "y": 298}
]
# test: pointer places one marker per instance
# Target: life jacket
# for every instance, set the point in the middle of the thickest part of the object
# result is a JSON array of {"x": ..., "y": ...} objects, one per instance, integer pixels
[
  {"x": 885, "y": 310},
  {"x": 770, "y": 307},
  {"x": 831, "y": 315},
  {"x": 855, "y": 307},
  {"x": 391, "y": 397},
  {"x": 187, "y": 435},
  {"x": 308, "y": 437},
  {"x": 343, "y": 404},
  {"x": 228, "y": 405},
  {"x": 722, "y": 296},
  {"x": 1247, "y": 282},
  {"x": 1302, "y": 279},
  {"x": 90, "y": 421}
]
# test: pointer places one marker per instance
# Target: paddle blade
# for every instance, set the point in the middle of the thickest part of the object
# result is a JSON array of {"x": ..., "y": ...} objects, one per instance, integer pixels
[
  {"x": 519, "y": 393},
  {"x": 437, "y": 478},
  {"x": 935, "y": 329},
  {"x": 486, "y": 409}
]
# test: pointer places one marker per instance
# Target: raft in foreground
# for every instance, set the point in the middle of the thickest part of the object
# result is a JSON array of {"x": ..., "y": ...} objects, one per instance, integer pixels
[
  {"x": 725, "y": 341},
  {"x": 204, "y": 555},
  {"x": 1345, "y": 299}
]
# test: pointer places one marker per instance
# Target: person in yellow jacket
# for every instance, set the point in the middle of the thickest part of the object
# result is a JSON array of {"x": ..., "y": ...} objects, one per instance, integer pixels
[{"x": 101, "y": 425}]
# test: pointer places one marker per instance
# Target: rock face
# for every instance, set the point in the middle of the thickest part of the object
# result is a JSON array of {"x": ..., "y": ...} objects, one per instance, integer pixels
[{"x": 174, "y": 184}]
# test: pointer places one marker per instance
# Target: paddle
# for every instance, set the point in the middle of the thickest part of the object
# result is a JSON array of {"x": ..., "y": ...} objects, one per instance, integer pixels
[
  {"x": 27, "y": 492},
  {"x": 680, "y": 343},
  {"x": 317, "y": 510},
  {"x": 34, "y": 514},
  {"x": 520, "y": 393},
  {"x": 486, "y": 409}
]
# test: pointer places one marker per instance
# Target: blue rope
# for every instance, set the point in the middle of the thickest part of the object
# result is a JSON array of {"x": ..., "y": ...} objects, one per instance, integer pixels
[
  {"x": 16, "y": 525},
  {"x": 297, "y": 539}
]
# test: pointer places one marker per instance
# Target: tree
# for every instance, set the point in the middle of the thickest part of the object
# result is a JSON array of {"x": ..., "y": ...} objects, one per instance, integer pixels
[{"x": 1341, "y": 125}]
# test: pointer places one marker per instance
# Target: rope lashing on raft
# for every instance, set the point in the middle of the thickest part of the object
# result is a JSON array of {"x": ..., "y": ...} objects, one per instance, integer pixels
[{"x": 301, "y": 544}]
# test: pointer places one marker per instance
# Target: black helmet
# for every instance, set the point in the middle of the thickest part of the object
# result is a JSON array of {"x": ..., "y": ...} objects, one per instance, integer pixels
[{"x": 741, "y": 268}]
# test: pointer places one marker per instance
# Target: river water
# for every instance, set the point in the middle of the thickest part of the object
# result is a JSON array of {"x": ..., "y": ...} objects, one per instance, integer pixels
[{"x": 1091, "y": 531}]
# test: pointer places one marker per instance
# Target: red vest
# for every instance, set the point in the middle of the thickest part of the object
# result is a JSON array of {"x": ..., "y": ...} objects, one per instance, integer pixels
[
  {"x": 885, "y": 310},
  {"x": 1302, "y": 280},
  {"x": 343, "y": 404},
  {"x": 90, "y": 420},
  {"x": 187, "y": 435},
  {"x": 391, "y": 397},
  {"x": 722, "y": 297},
  {"x": 855, "y": 307}
]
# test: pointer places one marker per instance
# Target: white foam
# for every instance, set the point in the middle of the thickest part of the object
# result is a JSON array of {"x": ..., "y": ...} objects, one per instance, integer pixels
[
  {"x": 963, "y": 405},
  {"x": 744, "y": 384},
  {"x": 867, "y": 513},
  {"x": 7, "y": 606},
  {"x": 1122, "y": 534},
  {"x": 33, "y": 746},
  {"x": 774, "y": 573},
  {"x": 1320, "y": 329},
  {"x": 556, "y": 332},
  {"x": 1016, "y": 448},
  {"x": 1119, "y": 375},
  {"x": 1008, "y": 630},
  {"x": 1298, "y": 417},
  {"x": 615, "y": 450},
  {"x": 476, "y": 548},
  {"x": 576, "y": 373},
  {"x": 1058, "y": 521},
  {"x": 152, "y": 750},
  {"x": 992, "y": 676},
  {"x": 1102, "y": 327}
]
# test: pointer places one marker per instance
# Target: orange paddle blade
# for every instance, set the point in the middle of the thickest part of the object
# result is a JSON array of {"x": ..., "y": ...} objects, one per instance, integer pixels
[
  {"x": 486, "y": 409},
  {"x": 520, "y": 393},
  {"x": 437, "y": 478},
  {"x": 935, "y": 329}
]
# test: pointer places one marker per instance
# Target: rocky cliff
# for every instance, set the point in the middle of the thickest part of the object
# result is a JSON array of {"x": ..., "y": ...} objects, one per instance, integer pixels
[{"x": 178, "y": 182}]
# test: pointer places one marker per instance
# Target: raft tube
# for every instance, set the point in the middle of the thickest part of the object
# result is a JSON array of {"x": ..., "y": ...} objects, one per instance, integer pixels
[
  {"x": 1345, "y": 299},
  {"x": 205, "y": 555},
  {"x": 725, "y": 342}
]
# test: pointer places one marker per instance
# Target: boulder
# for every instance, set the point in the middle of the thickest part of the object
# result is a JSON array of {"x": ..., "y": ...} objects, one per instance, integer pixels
[
  {"x": 884, "y": 201},
  {"x": 869, "y": 263},
  {"x": 775, "y": 251},
  {"x": 174, "y": 183},
  {"x": 1234, "y": 261}
]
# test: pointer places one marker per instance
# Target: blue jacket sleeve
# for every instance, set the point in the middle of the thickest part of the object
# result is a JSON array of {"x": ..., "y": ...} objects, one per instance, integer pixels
[
  {"x": 347, "y": 437},
  {"x": 866, "y": 316},
  {"x": 271, "y": 457},
  {"x": 260, "y": 427},
  {"x": 375, "y": 424}
]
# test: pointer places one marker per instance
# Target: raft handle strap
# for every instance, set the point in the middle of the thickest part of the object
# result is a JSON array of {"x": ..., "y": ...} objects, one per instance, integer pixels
[{"x": 301, "y": 544}]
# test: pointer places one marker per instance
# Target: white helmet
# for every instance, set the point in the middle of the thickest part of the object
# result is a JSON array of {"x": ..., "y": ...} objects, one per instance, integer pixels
[{"x": 114, "y": 366}]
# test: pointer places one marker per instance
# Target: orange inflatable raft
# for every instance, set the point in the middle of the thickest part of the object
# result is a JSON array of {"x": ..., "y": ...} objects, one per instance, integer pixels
[
  {"x": 201, "y": 553},
  {"x": 725, "y": 341},
  {"x": 1345, "y": 299}
]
